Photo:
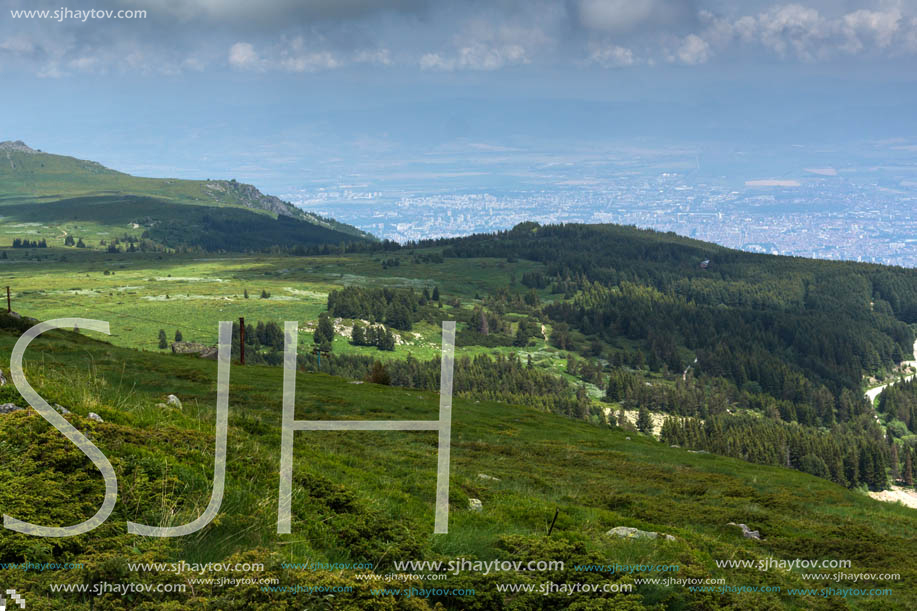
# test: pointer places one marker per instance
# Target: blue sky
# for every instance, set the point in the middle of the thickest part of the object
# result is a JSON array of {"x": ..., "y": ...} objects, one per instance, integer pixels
[{"x": 283, "y": 92}]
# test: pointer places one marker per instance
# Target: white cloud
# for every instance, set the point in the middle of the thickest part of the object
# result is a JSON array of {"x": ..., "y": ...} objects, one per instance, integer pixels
[
  {"x": 620, "y": 16},
  {"x": 693, "y": 50},
  {"x": 612, "y": 56},
  {"x": 242, "y": 56},
  {"x": 794, "y": 31}
]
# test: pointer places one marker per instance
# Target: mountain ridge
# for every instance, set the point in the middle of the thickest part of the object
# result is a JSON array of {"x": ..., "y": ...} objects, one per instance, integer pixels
[
  {"x": 29, "y": 175},
  {"x": 35, "y": 169}
]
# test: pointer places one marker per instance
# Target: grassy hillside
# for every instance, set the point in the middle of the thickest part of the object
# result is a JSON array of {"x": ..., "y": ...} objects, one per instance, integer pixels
[
  {"x": 368, "y": 498},
  {"x": 44, "y": 196}
]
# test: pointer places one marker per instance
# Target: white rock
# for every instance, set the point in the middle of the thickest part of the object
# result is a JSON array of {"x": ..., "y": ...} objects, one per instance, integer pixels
[
  {"x": 8, "y": 408},
  {"x": 475, "y": 505},
  {"x": 173, "y": 401},
  {"x": 629, "y": 532},
  {"x": 490, "y": 477},
  {"x": 746, "y": 531},
  {"x": 95, "y": 416},
  {"x": 63, "y": 411}
]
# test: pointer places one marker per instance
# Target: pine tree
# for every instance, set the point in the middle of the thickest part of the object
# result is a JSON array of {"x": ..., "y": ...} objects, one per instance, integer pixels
[
  {"x": 435, "y": 293},
  {"x": 644, "y": 421},
  {"x": 895, "y": 463},
  {"x": 358, "y": 335},
  {"x": 245, "y": 293},
  {"x": 908, "y": 469},
  {"x": 178, "y": 335},
  {"x": 324, "y": 332},
  {"x": 163, "y": 342}
]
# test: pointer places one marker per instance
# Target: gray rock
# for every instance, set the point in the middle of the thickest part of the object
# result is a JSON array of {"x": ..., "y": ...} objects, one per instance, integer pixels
[
  {"x": 746, "y": 531},
  {"x": 63, "y": 411},
  {"x": 490, "y": 477},
  {"x": 627, "y": 438},
  {"x": 355, "y": 382},
  {"x": 9, "y": 408},
  {"x": 173, "y": 401},
  {"x": 203, "y": 350},
  {"x": 628, "y": 532},
  {"x": 2, "y": 378},
  {"x": 15, "y": 315},
  {"x": 210, "y": 352},
  {"x": 475, "y": 505},
  {"x": 95, "y": 416}
]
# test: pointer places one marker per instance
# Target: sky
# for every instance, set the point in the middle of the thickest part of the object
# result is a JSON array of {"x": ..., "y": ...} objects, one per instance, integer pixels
[{"x": 284, "y": 93}]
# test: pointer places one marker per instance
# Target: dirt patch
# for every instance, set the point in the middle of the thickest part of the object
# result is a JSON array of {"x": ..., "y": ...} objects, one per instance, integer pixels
[{"x": 897, "y": 494}]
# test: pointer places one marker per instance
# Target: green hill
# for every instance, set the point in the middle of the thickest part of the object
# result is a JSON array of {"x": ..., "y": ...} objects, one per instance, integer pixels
[
  {"x": 367, "y": 497},
  {"x": 45, "y": 196}
]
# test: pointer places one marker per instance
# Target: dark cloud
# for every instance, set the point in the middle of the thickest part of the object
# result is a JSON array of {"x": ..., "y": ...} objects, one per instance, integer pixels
[{"x": 439, "y": 35}]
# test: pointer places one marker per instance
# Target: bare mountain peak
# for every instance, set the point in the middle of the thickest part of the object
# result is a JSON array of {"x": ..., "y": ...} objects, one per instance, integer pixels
[{"x": 17, "y": 146}]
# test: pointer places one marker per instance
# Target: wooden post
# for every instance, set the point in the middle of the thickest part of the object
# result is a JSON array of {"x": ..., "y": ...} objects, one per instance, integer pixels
[
  {"x": 9, "y": 308},
  {"x": 242, "y": 338},
  {"x": 553, "y": 522}
]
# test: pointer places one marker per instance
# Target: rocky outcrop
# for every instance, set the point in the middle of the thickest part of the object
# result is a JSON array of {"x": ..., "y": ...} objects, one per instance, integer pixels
[
  {"x": 203, "y": 350},
  {"x": 628, "y": 532},
  {"x": 17, "y": 146},
  {"x": 746, "y": 531}
]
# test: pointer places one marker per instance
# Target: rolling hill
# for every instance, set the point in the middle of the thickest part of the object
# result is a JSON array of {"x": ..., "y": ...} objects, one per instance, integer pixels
[
  {"x": 45, "y": 196},
  {"x": 367, "y": 498}
]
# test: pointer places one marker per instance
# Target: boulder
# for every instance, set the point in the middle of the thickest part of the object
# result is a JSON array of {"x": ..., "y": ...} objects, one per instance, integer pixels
[
  {"x": 628, "y": 532},
  {"x": 490, "y": 477},
  {"x": 95, "y": 416},
  {"x": 173, "y": 401},
  {"x": 9, "y": 408},
  {"x": 203, "y": 350},
  {"x": 475, "y": 505},
  {"x": 746, "y": 531}
]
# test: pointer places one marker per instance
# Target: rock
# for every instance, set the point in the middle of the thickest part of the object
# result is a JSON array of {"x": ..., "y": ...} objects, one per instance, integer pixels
[
  {"x": 95, "y": 416},
  {"x": 173, "y": 401},
  {"x": 746, "y": 531},
  {"x": 355, "y": 382},
  {"x": 63, "y": 411},
  {"x": 674, "y": 445},
  {"x": 698, "y": 452},
  {"x": 627, "y": 438},
  {"x": 203, "y": 350},
  {"x": 628, "y": 532},
  {"x": 209, "y": 352},
  {"x": 490, "y": 477},
  {"x": 15, "y": 315},
  {"x": 475, "y": 505},
  {"x": 9, "y": 408},
  {"x": 162, "y": 406},
  {"x": 2, "y": 379}
]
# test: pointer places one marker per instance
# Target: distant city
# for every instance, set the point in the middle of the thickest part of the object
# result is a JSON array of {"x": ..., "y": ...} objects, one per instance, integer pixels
[{"x": 822, "y": 214}]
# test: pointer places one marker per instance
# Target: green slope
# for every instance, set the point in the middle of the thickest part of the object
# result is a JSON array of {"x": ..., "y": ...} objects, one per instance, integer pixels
[
  {"x": 28, "y": 176},
  {"x": 368, "y": 497}
]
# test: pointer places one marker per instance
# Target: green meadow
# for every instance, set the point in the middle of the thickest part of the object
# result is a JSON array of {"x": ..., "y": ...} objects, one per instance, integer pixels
[{"x": 368, "y": 497}]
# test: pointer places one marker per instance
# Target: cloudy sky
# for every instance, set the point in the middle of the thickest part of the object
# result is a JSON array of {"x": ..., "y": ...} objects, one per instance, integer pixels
[{"x": 272, "y": 88}]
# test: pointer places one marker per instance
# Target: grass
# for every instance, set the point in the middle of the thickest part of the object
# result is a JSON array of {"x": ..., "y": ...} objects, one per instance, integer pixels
[{"x": 368, "y": 496}]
